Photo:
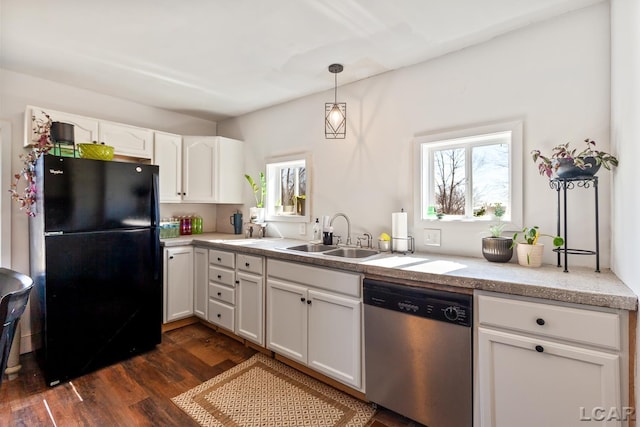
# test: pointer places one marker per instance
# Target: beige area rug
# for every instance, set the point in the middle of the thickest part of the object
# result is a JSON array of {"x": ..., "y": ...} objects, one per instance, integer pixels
[{"x": 264, "y": 392}]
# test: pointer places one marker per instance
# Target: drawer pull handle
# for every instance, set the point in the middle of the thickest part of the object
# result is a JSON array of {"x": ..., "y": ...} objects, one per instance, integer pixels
[
  {"x": 246, "y": 264},
  {"x": 539, "y": 348},
  {"x": 219, "y": 276},
  {"x": 302, "y": 299},
  {"x": 540, "y": 321},
  {"x": 171, "y": 257},
  {"x": 219, "y": 293},
  {"x": 219, "y": 259}
]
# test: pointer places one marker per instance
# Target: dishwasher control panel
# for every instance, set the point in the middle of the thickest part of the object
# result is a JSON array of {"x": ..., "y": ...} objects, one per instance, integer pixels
[{"x": 438, "y": 305}]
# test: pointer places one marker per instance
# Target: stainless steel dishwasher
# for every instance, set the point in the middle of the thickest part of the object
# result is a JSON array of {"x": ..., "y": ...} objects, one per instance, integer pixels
[{"x": 418, "y": 353}]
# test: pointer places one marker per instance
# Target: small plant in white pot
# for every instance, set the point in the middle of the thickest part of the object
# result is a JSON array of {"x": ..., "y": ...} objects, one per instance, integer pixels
[
  {"x": 496, "y": 248},
  {"x": 256, "y": 214},
  {"x": 528, "y": 249}
]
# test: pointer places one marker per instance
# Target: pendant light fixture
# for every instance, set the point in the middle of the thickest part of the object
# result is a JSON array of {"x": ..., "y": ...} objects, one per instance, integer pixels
[{"x": 335, "y": 113}]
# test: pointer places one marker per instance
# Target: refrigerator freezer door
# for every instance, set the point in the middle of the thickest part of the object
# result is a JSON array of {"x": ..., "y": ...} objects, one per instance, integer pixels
[
  {"x": 103, "y": 299},
  {"x": 91, "y": 195}
]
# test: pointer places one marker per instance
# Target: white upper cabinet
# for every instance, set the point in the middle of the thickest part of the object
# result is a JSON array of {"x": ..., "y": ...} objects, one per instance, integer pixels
[
  {"x": 167, "y": 153},
  {"x": 127, "y": 140},
  {"x": 85, "y": 129},
  {"x": 212, "y": 169}
]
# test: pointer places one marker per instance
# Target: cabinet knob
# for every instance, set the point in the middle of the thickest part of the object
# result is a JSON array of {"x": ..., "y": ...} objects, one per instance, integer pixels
[
  {"x": 540, "y": 321},
  {"x": 219, "y": 276},
  {"x": 309, "y": 301},
  {"x": 219, "y": 259},
  {"x": 237, "y": 282},
  {"x": 303, "y": 299},
  {"x": 219, "y": 315},
  {"x": 539, "y": 348},
  {"x": 219, "y": 293},
  {"x": 246, "y": 264},
  {"x": 171, "y": 257}
]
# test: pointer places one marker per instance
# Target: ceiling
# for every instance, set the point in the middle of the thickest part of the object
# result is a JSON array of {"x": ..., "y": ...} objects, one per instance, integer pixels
[{"x": 223, "y": 58}]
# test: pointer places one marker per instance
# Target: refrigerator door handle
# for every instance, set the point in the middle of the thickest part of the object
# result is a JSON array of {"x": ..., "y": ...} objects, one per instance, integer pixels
[{"x": 155, "y": 205}]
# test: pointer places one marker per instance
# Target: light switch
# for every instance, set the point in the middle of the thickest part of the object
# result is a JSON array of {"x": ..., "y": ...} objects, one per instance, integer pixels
[{"x": 431, "y": 237}]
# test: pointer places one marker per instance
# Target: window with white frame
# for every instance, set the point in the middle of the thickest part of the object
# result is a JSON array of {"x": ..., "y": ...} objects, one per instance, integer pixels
[
  {"x": 468, "y": 174},
  {"x": 288, "y": 188}
]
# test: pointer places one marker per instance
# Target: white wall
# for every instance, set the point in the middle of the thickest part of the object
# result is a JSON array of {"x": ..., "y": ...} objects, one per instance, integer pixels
[
  {"x": 554, "y": 76},
  {"x": 625, "y": 134},
  {"x": 19, "y": 90}
]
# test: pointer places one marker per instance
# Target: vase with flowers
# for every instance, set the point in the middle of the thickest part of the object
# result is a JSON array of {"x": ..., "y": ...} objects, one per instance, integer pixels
[{"x": 26, "y": 198}]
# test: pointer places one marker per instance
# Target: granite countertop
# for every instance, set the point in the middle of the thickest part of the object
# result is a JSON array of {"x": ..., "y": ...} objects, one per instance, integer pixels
[{"x": 581, "y": 285}]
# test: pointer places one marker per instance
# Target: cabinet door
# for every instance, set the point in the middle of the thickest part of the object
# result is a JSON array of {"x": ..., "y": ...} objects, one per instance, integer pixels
[
  {"x": 167, "y": 153},
  {"x": 335, "y": 337},
  {"x": 229, "y": 160},
  {"x": 127, "y": 140},
  {"x": 200, "y": 282},
  {"x": 85, "y": 129},
  {"x": 249, "y": 307},
  {"x": 178, "y": 283},
  {"x": 287, "y": 319},
  {"x": 530, "y": 382},
  {"x": 199, "y": 155}
]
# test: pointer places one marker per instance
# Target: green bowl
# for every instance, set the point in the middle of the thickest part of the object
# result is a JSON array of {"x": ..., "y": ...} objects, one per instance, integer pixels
[{"x": 95, "y": 151}]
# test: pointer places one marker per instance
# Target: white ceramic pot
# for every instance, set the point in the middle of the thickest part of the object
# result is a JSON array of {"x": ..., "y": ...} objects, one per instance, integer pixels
[
  {"x": 529, "y": 255},
  {"x": 256, "y": 215}
]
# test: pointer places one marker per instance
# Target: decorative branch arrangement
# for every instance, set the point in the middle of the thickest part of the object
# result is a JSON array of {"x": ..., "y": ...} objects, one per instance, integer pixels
[{"x": 27, "y": 198}]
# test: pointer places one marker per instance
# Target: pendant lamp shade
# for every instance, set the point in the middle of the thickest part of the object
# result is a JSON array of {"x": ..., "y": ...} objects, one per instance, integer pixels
[{"x": 335, "y": 113}]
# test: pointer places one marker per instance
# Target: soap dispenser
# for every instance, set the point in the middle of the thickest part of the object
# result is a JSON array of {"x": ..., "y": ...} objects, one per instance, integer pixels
[{"x": 317, "y": 233}]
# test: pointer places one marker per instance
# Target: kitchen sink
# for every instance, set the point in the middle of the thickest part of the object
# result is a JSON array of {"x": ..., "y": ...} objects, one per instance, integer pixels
[
  {"x": 352, "y": 252},
  {"x": 312, "y": 248}
]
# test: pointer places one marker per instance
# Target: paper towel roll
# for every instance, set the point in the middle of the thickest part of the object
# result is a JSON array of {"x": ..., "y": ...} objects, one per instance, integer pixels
[{"x": 399, "y": 231}]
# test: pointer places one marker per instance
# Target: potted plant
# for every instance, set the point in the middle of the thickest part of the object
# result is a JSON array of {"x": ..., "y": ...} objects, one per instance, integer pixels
[
  {"x": 496, "y": 248},
  {"x": 569, "y": 163},
  {"x": 42, "y": 145},
  {"x": 256, "y": 214},
  {"x": 528, "y": 249}
]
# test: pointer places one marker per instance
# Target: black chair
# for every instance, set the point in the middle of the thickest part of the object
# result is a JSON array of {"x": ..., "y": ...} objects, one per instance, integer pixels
[{"x": 14, "y": 294}]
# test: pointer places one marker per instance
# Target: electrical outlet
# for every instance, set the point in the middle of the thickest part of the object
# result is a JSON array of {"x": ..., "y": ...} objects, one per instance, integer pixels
[
  {"x": 303, "y": 229},
  {"x": 431, "y": 237}
]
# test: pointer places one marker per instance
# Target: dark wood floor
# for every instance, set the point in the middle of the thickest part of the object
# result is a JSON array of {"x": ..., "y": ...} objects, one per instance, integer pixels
[{"x": 135, "y": 392}]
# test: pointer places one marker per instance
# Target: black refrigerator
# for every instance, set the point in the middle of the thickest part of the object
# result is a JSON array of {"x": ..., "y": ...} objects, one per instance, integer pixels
[{"x": 96, "y": 264}]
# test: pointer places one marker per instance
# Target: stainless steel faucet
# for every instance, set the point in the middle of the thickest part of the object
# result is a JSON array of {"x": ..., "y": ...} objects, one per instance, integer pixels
[
  {"x": 368, "y": 238},
  {"x": 348, "y": 225}
]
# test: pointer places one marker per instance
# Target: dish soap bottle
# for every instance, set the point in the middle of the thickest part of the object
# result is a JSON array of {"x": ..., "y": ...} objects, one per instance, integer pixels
[{"x": 317, "y": 234}]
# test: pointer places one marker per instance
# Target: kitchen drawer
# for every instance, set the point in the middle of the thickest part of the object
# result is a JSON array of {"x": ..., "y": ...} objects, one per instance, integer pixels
[
  {"x": 592, "y": 327},
  {"x": 322, "y": 278},
  {"x": 222, "y": 275},
  {"x": 222, "y": 258},
  {"x": 221, "y": 314},
  {"x": 222, "y": 293},
  {"x": 250, "y": 264}
]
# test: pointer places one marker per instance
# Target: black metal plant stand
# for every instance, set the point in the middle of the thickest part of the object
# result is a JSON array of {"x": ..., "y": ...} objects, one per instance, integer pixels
[{"x": 565, "y": 184}]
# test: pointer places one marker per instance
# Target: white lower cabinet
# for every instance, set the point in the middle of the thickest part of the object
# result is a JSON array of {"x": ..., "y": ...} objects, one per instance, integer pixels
[
  {"x": 314, "y": 317},
  {"x": 178, "y": 283},
  {"x": 533, "y": 371},
  {"x": 222, "y": 292},
  {"x": 200, "y": 282},
  {"x": 250, "y": 298}
]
